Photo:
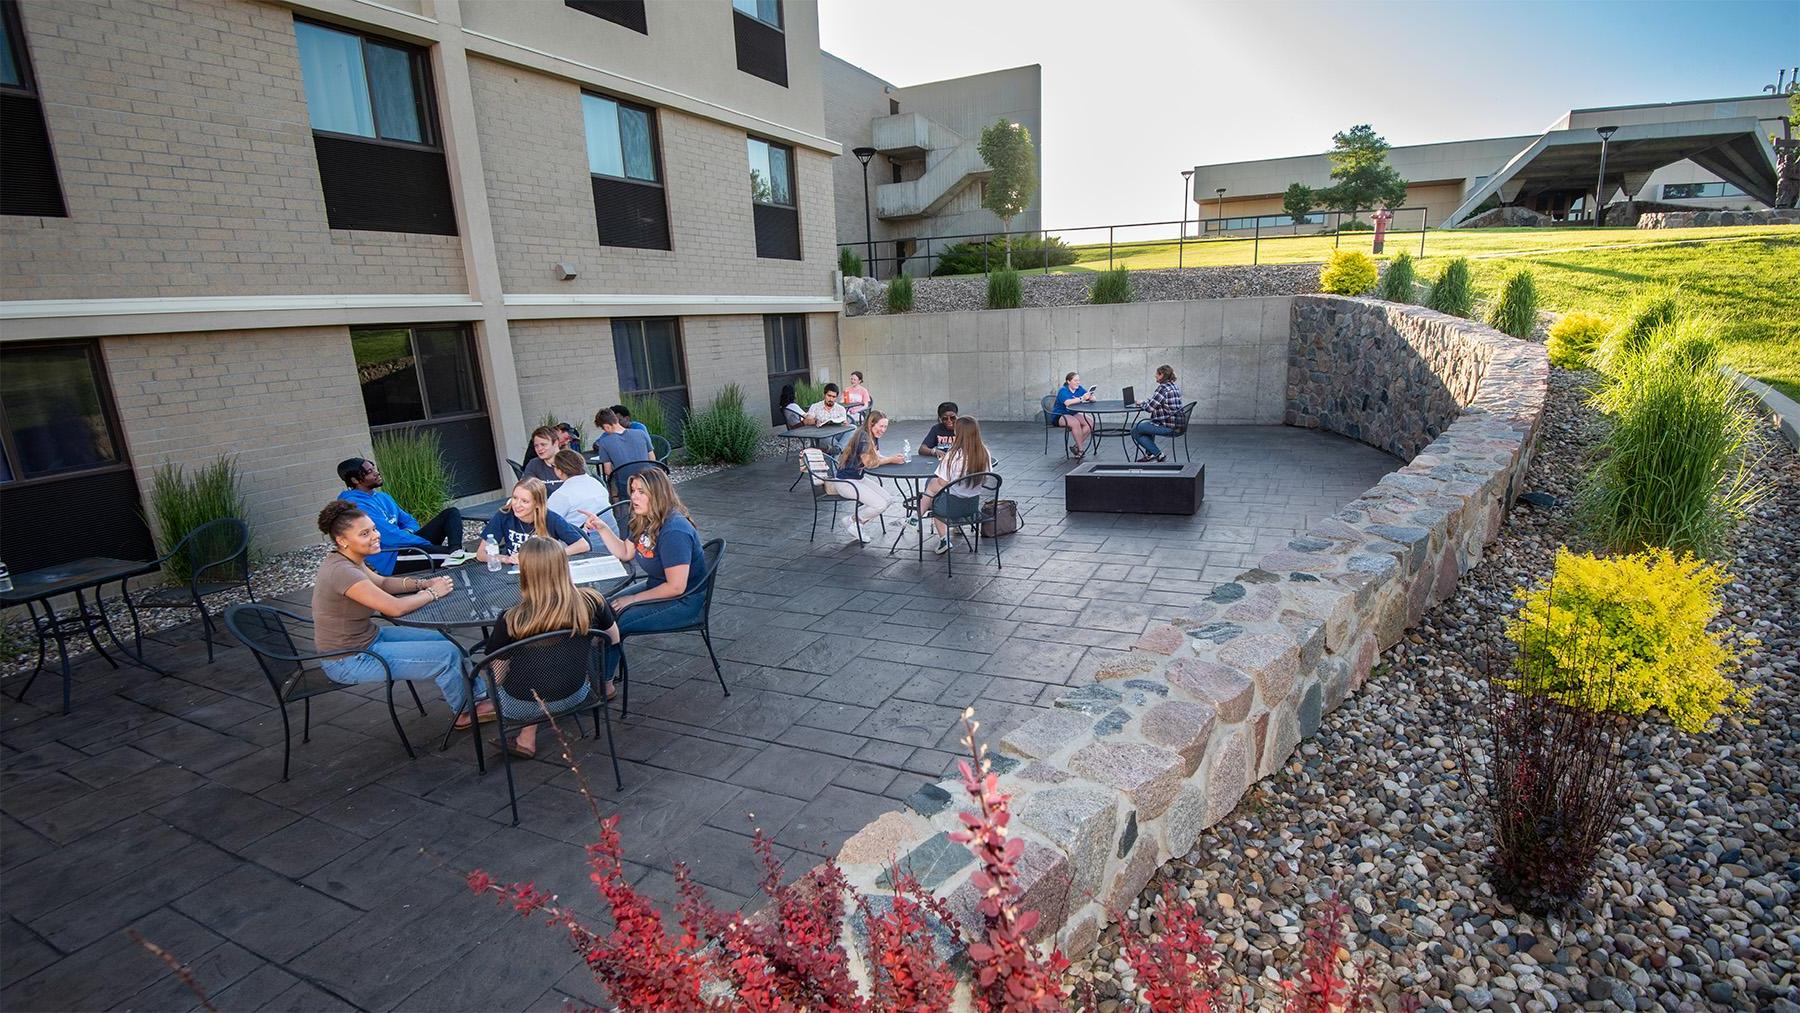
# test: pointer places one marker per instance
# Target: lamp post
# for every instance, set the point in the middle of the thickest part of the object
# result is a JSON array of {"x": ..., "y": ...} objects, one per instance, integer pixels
[
  {"x": 863, "y": 155},
  {"x": 1221, "y": 194},
  {"x": 1187, "y": 176},
  {"x": 1600, "y": 184}
]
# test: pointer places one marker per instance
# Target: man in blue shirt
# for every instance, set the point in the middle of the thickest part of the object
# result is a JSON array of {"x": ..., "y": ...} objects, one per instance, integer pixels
[
  {"x": 627, "y": 421},
  {"x": 618, "y": 446},
  {"x": 441, "y": 538}
]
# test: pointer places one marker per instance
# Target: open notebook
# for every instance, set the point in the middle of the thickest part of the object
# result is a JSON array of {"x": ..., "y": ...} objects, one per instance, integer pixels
[{"x": 588, "y": 569}]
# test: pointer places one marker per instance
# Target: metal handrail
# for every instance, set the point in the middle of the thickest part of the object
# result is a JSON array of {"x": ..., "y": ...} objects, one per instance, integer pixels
[{"x": 1202, "y": 225}]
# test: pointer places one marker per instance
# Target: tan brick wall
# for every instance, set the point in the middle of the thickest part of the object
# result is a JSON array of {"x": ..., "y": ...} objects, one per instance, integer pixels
[
  {"x": 534, "y": 152},
  {"x": 284, "y": 402},
  {"x": 565, "y": 369},
  {"x": 181, "y": 135}
]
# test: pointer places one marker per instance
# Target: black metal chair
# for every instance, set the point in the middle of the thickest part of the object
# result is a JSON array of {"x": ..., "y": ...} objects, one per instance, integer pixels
[
  {"x": 826, "y": 486},
  {"x": 619, "y": 483},
  {"x": 1182, "y": 422},
  {"x": 1048, "y": 409},
  {"x": 518, "y": 469},
  {"x": 294, "y": 674},
  {"x": 965, "y": 503},
  {"x": 661, "y": 447},
  {"x": 553, "y": 666},
  {"x": 216, "y": 556},
  {"x": 713, "y": 552}
]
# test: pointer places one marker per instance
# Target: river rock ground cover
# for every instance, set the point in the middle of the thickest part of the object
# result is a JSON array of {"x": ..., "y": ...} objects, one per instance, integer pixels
[{"x": 1692, "y": 905}]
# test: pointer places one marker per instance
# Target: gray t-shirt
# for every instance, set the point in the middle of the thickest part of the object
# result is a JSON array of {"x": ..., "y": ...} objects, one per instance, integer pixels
[{"x": 624, "y": 448}]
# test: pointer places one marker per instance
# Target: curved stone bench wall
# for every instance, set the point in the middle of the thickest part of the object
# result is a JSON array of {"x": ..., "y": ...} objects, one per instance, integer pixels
[{"x": 1124, "y": 773}]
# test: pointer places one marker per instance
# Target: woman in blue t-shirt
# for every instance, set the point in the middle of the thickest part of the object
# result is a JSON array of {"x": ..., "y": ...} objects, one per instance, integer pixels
[
  {"x": 1078, "y": 424},
  {"x": 525, "y": 516},
  {"x": 666, "y": 546}
]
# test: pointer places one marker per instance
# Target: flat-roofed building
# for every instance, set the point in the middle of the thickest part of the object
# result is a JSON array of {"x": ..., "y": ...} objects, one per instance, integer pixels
[
  {"x": 1711, "y": 153},
  {"x": 279, "y": 230}
]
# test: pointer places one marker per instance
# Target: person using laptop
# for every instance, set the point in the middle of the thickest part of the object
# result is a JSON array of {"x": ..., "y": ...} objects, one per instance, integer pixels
[{"x": 1164, "y": 407}]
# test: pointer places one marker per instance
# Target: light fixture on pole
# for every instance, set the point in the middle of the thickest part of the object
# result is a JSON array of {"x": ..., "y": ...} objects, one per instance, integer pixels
[
  {"x": 863, "y": 155},
  {"x": 1600, "y": 184},
  {"x": 1221, "y": 194},
  {"x": 1181, "y": 240}
]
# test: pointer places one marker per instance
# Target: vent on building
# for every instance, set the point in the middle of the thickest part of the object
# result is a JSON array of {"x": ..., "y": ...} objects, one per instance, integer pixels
[
  {"x": 384, "y": 187},
  {"x": 761, "y": 48},
  {"x": 630, "y": 214},
  {"x": 629, "y": 13}
]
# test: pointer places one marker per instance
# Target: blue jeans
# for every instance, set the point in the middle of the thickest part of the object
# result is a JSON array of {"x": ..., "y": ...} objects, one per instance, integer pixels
[
  {"x": 653, "y": 617},
  {"x": 411, "y": 654},
  {"x": 1143, "y": 434}
]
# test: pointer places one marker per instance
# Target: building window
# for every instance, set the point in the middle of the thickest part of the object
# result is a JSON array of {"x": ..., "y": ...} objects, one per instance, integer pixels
[
  {"x": 1695, "y": 191},
  {"x": 27, "y": 163},
  {"x": 761, "y": 40},
  {"x": 630, "y": 208},
  {"x": 427, "y": 378},
  {"x": 784, "y": 340},
  {"x": 651, "y": 364},
  {"x": 1265, "y": 221},
  {"x": 772, "y": 200},
  {"x": 628, "y": 13},
  {"x": 375, "y": 131},
  {"x": 60, "y": 443}
]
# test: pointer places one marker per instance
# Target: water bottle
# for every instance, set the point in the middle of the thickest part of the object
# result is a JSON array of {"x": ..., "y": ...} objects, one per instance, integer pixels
[
  {"x": 905, "y": 450},
  {"x": 493, "y": 553}
]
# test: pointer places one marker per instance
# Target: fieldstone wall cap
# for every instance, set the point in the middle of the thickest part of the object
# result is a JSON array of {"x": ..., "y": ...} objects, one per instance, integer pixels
[
  {"x": 1160, "y": 639},
  {"x": 1045, "y": 735},
  {"x": 880, "y": 842},
  {"x": 1182, "y": 725},
  {"x": 1126, "y": 667},
  {"x": 931, "y": 863},
  {"x": 1130, "y": 880},
  {"x": 1229, "y": 777},
  {"x": 1271, "y": 659},
  {"x": 1046, "y": 881},
  {"x": 1091, "y": 699},
  {"x": 1149, "y": 775},
  {"x": 1228, "y": 690},
  {"x": 1080, "y": 822}
]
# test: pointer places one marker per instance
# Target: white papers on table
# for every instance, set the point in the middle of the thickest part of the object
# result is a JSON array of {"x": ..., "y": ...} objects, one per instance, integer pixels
[{"x": 597, "y": 568}]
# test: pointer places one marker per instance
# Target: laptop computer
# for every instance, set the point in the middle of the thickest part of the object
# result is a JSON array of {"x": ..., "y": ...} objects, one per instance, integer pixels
[{"x": 1129, "y": 395}]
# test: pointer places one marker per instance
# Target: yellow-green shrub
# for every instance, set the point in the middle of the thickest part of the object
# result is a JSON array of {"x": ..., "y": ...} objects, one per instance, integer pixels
[
  {"x": 1641, "y": 619},
  {"x": 1574, "y": 337},
  {"x": 1348, "y": 272}
]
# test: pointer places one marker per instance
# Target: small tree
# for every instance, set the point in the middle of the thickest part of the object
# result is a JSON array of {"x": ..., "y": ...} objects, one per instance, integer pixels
[
  {"x": 1360, "y": 167},
  {"x": 1012, "y": 182},
  {"x": 1298, "y": 201}
]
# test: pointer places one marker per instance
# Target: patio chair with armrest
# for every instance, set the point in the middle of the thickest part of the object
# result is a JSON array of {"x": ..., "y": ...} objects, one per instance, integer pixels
[
  {"x": 295, "y": 674},
  {"x": 1048, "y": 411},
  {"x": 713, "y": 552},
  {"x": 554, "y": 666},
  {"x": 1182, "y": 422},
  {"x": 964, "y": 504},
  {"x": 517, "y": 468},
  {"x": 217, "y": 557},
  {"x": 825, "y": 486},
  {"x": 619, "y": 483},
  {"x": 661, "y": 447}
]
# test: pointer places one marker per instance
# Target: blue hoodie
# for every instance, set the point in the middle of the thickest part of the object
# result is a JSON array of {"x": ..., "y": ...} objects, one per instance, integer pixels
[{"x": 397, "y": 527}]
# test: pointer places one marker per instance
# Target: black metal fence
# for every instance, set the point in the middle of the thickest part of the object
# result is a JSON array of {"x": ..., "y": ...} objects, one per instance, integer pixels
[{"x": 1122, "y": 240}]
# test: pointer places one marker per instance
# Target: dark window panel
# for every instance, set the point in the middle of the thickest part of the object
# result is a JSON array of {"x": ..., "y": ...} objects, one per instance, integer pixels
[
  {"x": 651, "y": 363},
  {"x": 385, "y": 187},
  {"x": 777, "y": 232},
  {"x": 112, "y": 520},
  {"x": 630, "y": 214},
  {"x": 761, "y": 49},
  {"x": 55, "y": 409},
  {"x": 447, "y": 369},
  {"x": 28, "y": 183},
  {"x": 389, "y": 375},
  {"x": 628, "y": 13}
]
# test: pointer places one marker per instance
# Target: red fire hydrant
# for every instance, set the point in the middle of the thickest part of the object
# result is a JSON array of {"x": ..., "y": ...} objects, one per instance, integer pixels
[{"x": 1381, "y": 219}]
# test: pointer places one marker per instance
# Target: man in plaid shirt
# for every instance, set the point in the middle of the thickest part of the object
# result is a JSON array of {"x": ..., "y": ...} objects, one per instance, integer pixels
[{"x": 1165, "y": 413}]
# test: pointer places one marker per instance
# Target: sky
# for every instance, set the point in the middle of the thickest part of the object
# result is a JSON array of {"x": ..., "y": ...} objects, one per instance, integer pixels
[{"x": 1134, "y": 91}]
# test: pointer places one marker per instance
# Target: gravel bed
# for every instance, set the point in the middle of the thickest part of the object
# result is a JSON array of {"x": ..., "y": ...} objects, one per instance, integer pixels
[
  {"x": 942, "y": 295},
  {"x": 1692, "y": 906},
  {"x": 272, "y": 577}
]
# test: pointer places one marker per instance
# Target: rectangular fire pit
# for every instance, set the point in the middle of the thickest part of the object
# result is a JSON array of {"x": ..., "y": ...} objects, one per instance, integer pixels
[{"x": 1135, "y": 488}]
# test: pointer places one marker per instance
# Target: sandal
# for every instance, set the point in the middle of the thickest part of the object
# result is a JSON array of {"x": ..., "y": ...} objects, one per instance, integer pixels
[
  {"x": 513, "y": 749},
  {"x": 462, "y": 720}
]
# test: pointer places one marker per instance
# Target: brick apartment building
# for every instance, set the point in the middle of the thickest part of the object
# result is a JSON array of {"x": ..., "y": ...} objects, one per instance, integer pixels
[{"x": 275, "y": 230}]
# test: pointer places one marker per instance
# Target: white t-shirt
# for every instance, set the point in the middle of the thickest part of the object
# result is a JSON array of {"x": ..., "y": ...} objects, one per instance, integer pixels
[
  {"x": 950, "y": 467},
  {"x": 583, "y": 492},
  {"x": 835, "y": 413}
]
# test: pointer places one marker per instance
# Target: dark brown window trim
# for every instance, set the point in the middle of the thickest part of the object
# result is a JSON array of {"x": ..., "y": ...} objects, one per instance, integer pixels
[
  {"x": 421, "y": 75},
  {"x": 27, "y": 90},
  {"x": 655, "y": 139},
  {"x": 109, "y": 411}
]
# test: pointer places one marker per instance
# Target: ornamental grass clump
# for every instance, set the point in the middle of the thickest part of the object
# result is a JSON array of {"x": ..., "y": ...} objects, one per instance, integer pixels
[
  {"x": 1574, "y": 337},
  {"x": 1676, "y": 468},
  {"x": 900, "y": 294},
  {"x": 1111, "y": 287},
  {"x": 1454, "y": 290},
  {"x": 1641, "y": 620},
  {"x": 849, "y": 263},
  {"x": 181, "y": 503},
  {"x": 1348, "y": 272},
  {"x": 807, "y": 393},
  {"x": 1004, "y": 291},
  {"x": 724, "y": 433},
  {"x": 1652, "y": 310},
  {"x": 413, "y": 470},
  {"x": 648, "y": 409},
  {"x": 1399, "y": 280},
  {"x": 1516, "y": 311}
]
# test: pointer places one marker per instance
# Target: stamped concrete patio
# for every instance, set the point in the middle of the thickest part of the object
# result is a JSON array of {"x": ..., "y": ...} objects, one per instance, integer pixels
[{"x": 158, "y": 805}]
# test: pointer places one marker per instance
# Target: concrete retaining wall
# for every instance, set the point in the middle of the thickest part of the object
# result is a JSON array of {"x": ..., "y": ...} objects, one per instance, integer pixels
[
  {"x": 1705, "y": 219},
  {"x": 1127, "y": 771},
  {"x": 1230, "y": 356}
]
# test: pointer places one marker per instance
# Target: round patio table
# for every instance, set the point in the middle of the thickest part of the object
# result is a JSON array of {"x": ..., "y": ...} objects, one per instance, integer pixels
[
  {"x": 479, "y": 595},
  {"x": 914, "y": 472},
  {"x": 1100, "y": 410}
]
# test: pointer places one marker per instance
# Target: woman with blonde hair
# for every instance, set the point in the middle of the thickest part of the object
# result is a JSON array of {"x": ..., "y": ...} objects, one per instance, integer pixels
[
  {"x": 861, "y": 453},
  {"x": 525, "y": 516},
  {"x": 549, "y": 601},
  {"x": 967, "y": 455},
  {"x": 666, "y": 547}
]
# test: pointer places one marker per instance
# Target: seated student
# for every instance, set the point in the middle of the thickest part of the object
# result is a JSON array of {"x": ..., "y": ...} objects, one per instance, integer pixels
[
  {"x": 942, "y": 432},
  {"x": 967, "y": 456},
  {"x": 543, "y": 451},
  {"x": 624, "y": 415},
  {"x": 527, "y": 515},
  {"x": 662, "y": 538},
  {"x": 441, "y": 537},
  {"x": 864, "y": 451},
  {"x": 567, "y": 437},
  {"x": 580, "y": 496},
  {"x": 857, "y": 398},
  {"x": 829, "y": 412},
  {"x": 1072, "y": 392},
  {"x": 548, "y": 601},
  {"x": 618, "y": 445},
  {"x": 345, "y": 599},
  {"x": 1165, "y": 412},
  {"x": 792, "y": 415}
]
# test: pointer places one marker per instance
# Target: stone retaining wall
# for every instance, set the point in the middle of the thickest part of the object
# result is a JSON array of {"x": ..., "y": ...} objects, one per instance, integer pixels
[
  {"x": 1703, "y": 219},
  {"x": 1127, "y": 771}
]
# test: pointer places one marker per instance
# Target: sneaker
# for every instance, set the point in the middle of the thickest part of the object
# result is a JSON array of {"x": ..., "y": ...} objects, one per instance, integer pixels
[
  {"x": 861, "y": 533},
  {"x": 943, "y": 546},
  {"x": 912, "y": 519},
  {"x": 458, "y": 558}
]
